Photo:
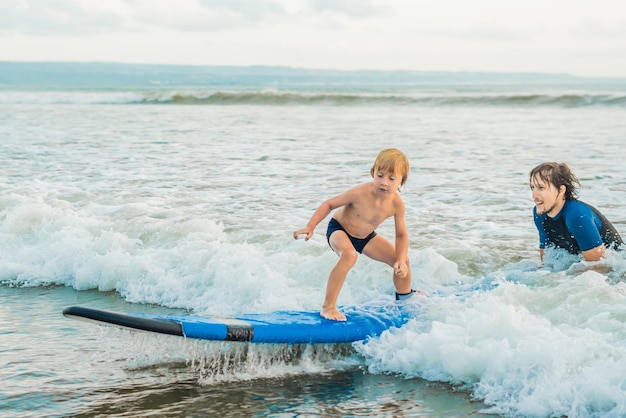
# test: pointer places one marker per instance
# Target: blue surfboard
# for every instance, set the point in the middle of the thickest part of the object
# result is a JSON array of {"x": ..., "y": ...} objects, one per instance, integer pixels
[{"x": 290, "y": 327}]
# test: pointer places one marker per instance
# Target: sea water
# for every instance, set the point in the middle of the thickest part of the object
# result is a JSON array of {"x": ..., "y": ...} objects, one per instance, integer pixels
[{"x": 183, "y": 199}]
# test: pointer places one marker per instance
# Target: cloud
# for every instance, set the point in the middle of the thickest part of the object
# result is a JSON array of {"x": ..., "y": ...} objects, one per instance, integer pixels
[
  {"x": 86, "y": 17},
  {"x": 46, "y": 17},
  {"x": 353, "y": 8},
  {"x": 593, "y": 27}
]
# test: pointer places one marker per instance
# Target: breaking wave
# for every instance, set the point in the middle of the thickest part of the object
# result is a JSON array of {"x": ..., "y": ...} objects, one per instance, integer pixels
[{"x": 290, "y": 98}]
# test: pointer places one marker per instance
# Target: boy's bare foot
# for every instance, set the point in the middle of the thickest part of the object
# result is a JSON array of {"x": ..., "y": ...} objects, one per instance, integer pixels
[{"x": 333, "y": 314}]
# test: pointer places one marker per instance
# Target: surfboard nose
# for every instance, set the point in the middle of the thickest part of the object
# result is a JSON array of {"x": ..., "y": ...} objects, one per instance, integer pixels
[{"x": 134, "y": 321}]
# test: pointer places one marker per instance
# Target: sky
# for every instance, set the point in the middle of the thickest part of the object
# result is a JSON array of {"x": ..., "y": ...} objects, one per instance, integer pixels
[{"x": 579, "y": 37}]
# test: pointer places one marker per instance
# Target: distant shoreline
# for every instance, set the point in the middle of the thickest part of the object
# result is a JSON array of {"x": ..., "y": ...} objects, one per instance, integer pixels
[{"x": 17, "y": 73}]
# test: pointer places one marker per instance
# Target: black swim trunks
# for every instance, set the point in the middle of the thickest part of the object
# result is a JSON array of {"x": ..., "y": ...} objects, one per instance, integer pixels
[{"x": 358, "y": 243}]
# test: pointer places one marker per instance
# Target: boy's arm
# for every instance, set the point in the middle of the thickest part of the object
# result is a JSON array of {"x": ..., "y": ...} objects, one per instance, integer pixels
[
  {"x": 322, "y": 212},
  {"x": 402, "y": 237}
]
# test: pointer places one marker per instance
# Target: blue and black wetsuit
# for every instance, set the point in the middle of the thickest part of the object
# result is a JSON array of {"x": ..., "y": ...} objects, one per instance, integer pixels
[{"x": 578, "y": 227}]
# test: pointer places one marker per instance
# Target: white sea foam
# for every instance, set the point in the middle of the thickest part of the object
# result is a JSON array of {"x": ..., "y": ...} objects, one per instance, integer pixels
[{"x": 552, "y": 349}]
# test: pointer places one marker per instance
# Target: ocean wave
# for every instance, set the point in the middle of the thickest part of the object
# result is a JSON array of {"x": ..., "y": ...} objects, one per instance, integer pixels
[
  {"x": 280, "y": 99},
  {"x": 289, "y": 98}
]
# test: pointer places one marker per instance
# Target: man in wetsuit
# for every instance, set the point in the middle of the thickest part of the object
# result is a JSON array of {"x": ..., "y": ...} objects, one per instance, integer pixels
[{"x": 565, "y": 222}]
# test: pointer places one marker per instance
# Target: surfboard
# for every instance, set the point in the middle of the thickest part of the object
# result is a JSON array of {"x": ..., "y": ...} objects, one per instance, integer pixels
[{"x": 290, "y": 327}]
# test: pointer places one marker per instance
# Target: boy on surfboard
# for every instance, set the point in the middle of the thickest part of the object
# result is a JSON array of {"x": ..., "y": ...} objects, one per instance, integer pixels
[{"x": 351, "y": 229}]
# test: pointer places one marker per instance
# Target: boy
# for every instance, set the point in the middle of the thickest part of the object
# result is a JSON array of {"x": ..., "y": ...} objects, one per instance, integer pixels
[{"x": 351, "y": 229}]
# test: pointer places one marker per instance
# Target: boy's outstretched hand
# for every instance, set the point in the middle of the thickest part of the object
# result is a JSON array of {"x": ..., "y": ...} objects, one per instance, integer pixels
[
  {"x": 304, "y": 231},
  {"x": 400, "y": 269}
]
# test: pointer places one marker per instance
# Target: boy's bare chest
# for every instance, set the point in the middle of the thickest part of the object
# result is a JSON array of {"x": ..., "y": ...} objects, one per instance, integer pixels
[{"x": 371, "y": 212}]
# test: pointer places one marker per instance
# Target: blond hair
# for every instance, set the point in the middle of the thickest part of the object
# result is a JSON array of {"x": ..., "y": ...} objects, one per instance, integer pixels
[{"x": 392, "y": 160}]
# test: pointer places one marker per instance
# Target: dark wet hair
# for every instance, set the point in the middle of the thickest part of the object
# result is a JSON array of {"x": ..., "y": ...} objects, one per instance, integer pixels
[{"x": 557, "y": 174}]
